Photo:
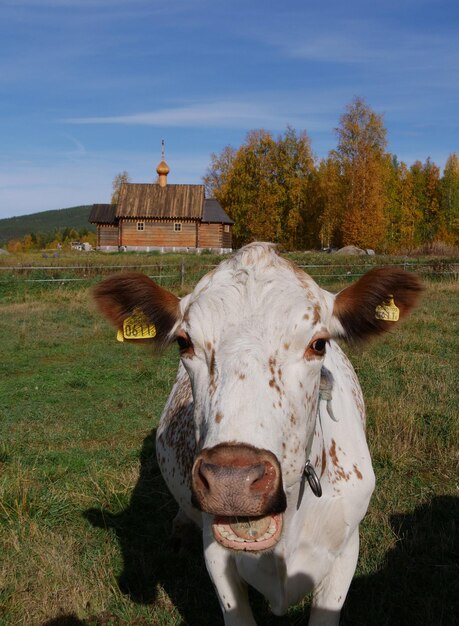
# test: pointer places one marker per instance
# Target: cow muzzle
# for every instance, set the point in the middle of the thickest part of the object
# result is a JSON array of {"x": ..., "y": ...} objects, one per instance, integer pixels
[{"x": 242, "y": 487}]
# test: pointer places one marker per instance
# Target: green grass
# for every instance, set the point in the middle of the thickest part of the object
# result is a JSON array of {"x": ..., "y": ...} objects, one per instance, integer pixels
[{"x": 85, "y": 516}]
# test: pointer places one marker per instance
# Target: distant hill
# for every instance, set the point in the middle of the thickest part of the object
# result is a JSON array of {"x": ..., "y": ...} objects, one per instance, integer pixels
[{"x": 45, "y": 222}]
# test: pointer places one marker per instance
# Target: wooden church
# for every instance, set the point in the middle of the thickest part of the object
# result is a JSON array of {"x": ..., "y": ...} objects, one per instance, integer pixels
[{"x": 160, "y": 216}]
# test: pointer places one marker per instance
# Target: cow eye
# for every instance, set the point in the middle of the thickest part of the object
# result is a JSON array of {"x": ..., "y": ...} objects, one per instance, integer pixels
[
  {"x": 316, "y": 348},
  {"x": 184, "y": 342},
  {"x": 319, "y": 346}
]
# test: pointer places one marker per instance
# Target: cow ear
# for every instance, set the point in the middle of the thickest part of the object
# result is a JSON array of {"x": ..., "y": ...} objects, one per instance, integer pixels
[
  {"x": 140, "y": 309},
  {"x": 375, "y": 303}
]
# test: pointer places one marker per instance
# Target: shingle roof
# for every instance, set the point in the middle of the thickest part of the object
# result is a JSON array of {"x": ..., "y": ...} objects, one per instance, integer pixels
[
  {"x": 103, "y": 214},
  {"x": 214, "y": 214},
  {"x": 152, "y": 200}
]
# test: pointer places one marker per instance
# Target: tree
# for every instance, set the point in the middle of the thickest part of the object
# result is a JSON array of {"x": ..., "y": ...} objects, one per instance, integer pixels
[
  {"x": 122, "y": 177},
  {"x": 328, "y": 196},
  {"x": 450, "y": 199},
  {"x": 363, "y": 170},
  {"x": 218, "y": 170},
  {"x": 432, "y": 218},
  {"x": 264, "y": 187},
  {"x": 426, "y": 189},
  {"x": 294, "y": 180},
  {"x": 403, "y": 211}
]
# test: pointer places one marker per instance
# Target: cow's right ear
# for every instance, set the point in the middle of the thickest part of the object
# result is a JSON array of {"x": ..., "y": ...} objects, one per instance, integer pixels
[
  {"x": 370, "y": 306},
  {"x": 140, "y": 309}
]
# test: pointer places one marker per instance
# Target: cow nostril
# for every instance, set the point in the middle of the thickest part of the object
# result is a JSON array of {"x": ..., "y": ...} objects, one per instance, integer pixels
[
  {"x": 266, "y": 478},
  {"x": 201, "y": 473},
  {"x": 256, "y": 473}
]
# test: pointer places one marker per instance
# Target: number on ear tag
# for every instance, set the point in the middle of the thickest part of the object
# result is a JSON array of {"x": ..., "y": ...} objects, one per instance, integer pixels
[
  {"x": 388, "y": 311},
  {"x": 136, "y": 326}
]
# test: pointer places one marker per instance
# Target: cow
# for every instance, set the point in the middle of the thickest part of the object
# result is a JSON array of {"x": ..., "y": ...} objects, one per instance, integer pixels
[{"x": 262, "y": 441}]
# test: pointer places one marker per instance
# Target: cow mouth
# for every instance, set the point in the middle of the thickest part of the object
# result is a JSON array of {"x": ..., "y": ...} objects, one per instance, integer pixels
[{"x": 248, "y": 533}]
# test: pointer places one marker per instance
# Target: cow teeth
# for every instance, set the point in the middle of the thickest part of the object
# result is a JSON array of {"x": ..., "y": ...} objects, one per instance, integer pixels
[
  {"x": 248, "y": 533},
  {"x": 268, "y": 534},
  {"x": 228, "y": 534},
  {"x": 232, "y": 536}
]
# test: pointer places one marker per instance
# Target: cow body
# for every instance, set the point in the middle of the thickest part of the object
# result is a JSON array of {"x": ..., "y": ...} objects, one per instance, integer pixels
[
  {"x": 263, "y": 390},
  {"x": 320, "y": 534}
]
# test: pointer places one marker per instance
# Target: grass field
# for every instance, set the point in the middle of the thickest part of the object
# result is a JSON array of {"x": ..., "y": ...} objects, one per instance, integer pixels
[{"x": 85, "y": 516}]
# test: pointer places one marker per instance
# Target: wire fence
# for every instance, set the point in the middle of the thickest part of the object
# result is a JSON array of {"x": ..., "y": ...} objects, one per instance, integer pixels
[{"x": 183, "y": 273}]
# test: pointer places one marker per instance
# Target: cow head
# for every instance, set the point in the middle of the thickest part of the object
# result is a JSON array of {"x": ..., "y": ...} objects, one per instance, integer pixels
[{"x": 253, "y": 336}]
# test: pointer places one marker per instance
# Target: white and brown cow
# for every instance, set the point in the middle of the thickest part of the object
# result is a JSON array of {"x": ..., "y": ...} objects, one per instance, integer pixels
[{"x": 262, "y": 441}]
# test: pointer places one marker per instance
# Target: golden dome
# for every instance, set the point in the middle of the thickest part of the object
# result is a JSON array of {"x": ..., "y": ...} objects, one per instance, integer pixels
[{"x": 163, "y": 168}]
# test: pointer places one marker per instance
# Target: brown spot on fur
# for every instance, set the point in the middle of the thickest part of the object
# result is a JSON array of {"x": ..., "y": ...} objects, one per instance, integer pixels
[
  {"x": 306, "y": 316},
  {"x": 316, "y": 318},
  {"x": 286, "y": 346},
  {"x": 242, "y": 376},
  {"x": 324, "y": 462},
  {"x": 212, "y": 364},
  {"x": 340, "y": 474},
  {"x": 218, "y": 418},
  {"x": 212, "y": 371},
  {"x": 358, "y": 473},
  {"x": 209, "y": 345},
  {"x": 332, "y": 452}
]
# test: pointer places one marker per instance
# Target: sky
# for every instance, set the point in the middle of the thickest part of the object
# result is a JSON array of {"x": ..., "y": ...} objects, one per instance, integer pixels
[{"x": 89, "y": 88}]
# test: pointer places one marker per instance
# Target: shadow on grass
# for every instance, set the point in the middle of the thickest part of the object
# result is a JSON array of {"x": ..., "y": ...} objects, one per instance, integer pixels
[
  {"x": 419, "y": 582},
  {"x": 150, "y": 558}
]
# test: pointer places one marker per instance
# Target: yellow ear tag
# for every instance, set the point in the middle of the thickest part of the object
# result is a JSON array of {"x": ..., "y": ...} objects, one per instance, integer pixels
[
  {"x": 136, "y": 326},
  {"x": 388, "y": 311}
]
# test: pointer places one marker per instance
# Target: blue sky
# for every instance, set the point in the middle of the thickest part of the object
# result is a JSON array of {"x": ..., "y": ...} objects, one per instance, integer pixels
[{"x": 90, "y": 87}]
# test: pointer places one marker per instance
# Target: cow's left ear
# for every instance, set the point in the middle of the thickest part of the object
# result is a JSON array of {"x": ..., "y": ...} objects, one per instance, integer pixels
[
  {"x": 375, "y": 303},
  {"x": 141, "y": 310}
]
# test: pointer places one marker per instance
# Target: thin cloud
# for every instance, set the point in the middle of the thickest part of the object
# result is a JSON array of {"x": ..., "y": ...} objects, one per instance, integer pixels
[
  {"x": 373, "y": 44},
  {"x": 225, "y": 114},
  {"x": 235, "y": 114}
]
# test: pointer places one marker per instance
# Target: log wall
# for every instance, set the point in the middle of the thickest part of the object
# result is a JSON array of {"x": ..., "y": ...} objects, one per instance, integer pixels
[
  {"x": 214, "y": 236},
  {"x": 156, "y": 233},
  {"x": 107, "y": 235}
]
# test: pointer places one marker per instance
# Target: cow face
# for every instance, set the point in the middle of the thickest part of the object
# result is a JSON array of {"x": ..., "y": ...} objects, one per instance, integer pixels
[{"x": 253, "y": 337}]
